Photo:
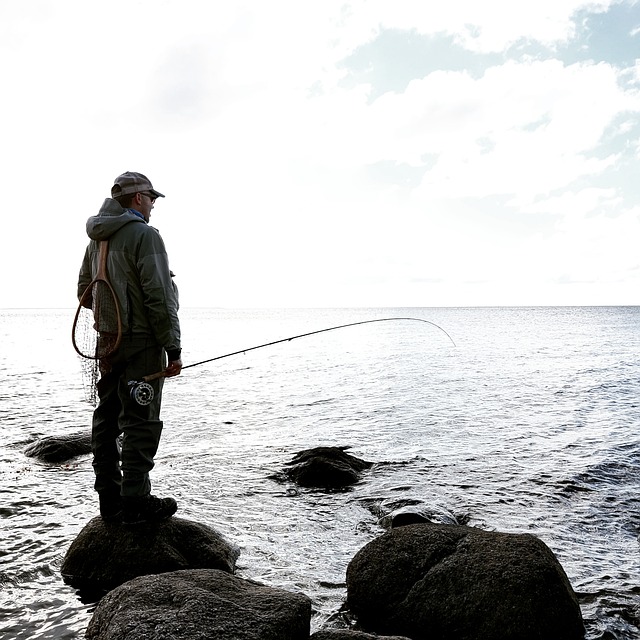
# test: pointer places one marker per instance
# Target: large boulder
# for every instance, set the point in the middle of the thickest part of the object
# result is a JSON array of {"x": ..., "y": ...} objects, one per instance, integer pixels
[
  {"x": 104, "y": 555},
  {"x": 325, "y": 467},
  {"x": 60, "y": 448},
  {"x": 198, "y": 605},
  {"x": 443, "y": 582}
]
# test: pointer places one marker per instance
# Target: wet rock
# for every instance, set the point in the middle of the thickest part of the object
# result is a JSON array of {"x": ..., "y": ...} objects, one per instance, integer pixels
[
  {"x": 400, "y": 513},
  {"x": 339, "y": 634},
  {"x": 325, "y": 467},
  {"x": 198, "y": 604},
  {"x": 421, "y": 515},
  {"x": 104, "y": 556},
  {"x": 442, "y": 582},
  {"x": 60, "y": 448}
]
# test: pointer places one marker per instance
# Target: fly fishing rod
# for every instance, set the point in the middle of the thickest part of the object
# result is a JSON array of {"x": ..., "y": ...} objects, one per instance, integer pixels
[{"x": 142, "y": 392}]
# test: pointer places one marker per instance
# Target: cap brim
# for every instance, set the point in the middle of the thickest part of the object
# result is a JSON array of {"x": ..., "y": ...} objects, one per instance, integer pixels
[{"x": 157, "y": 194}]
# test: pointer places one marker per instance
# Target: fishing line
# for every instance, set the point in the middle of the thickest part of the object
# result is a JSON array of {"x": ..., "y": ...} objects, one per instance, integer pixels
[{"x": 142, "y": 392}]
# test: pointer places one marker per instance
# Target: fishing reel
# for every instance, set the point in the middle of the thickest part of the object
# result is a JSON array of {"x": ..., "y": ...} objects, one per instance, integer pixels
[{"x": 141, "y": 391}]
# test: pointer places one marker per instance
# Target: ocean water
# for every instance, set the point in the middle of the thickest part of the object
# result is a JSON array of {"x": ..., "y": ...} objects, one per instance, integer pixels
[{"x": 530, "y": 423}]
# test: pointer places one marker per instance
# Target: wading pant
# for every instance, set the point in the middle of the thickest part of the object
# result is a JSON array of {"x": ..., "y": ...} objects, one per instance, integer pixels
[{"x": 126, "y": 472}]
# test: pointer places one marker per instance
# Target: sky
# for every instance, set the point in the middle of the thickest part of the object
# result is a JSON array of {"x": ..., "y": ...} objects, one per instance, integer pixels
[{"x": 358, "y": 153}]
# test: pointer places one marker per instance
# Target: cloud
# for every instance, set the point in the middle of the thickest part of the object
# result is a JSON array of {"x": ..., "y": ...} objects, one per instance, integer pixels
[
  {"x": 481, "y": 27},
  {"x": 522, "y": 128},
  {"x": 185, "y": 85}
]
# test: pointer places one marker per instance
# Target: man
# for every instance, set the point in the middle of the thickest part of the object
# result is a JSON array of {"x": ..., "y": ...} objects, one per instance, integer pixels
[{"x": 138, "y": 269}]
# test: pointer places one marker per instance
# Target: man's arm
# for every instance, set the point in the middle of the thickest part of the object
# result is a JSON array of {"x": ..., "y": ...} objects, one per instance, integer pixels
[{"x": 160, "y": 295}]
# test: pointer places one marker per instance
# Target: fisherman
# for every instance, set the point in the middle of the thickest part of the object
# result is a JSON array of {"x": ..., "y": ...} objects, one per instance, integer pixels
[{"x": 138, "y": 269}]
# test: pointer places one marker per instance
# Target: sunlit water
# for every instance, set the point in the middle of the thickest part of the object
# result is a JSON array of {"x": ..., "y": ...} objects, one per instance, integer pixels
[{"x": 531, "y": 423}]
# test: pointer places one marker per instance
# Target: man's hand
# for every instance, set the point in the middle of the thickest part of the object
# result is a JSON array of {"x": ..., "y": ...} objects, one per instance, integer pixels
[{"x": 173, "y": 368}]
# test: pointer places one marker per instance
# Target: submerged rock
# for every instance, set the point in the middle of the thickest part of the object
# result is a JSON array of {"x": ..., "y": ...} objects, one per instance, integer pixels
[
  {"x": 339, "y": 634},
  {"x": 104, "y": 556},
  {"x": 198, "y": 604},
  {"x": 325, "y": 467},
  {"x": 60, "y": 448},
  {"x": 401, "y": 512},
  {"x": 442, "y": 582}
]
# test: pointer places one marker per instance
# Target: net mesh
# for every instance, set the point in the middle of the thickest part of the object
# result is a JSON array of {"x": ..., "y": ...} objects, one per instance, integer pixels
[
  {"x": 90, "y": 376},
  {"x": 96, "y": 332}
]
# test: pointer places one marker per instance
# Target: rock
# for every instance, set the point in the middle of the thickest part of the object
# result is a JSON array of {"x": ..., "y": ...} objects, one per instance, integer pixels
[
  {"x": 198, "y": 605},
  {"x": 104, "y": 556},
  {"x": 445, "y": 582},
  {"x": 408, "y": 515},
  {"x": 339, "y": 634},
  {"x": 399, "y": 513},
  {"x": 326, "y": 467},
  {"x": 60, "y": 448}
]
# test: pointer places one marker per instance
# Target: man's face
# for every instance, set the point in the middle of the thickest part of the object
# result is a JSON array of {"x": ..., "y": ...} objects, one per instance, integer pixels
[{"x": 146, "y": 204}]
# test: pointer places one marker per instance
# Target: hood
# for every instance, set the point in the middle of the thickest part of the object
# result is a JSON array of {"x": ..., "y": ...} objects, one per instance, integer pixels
[{"x": 110, "y": 218}]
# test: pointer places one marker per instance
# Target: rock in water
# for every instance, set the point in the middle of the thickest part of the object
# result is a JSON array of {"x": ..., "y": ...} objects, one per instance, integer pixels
[
  {"x": 197, "y": 605},
  {"x": 339, "y": 634},
  {"x": 443, "y": 582},
  {"x": 60, "y": 448},
  {"x": 104, "y": 556},
  {"x": 325, "y": 467}
]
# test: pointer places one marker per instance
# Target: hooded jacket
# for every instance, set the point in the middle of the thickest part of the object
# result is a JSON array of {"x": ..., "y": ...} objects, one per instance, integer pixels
[{"x": 138, "y": 270}]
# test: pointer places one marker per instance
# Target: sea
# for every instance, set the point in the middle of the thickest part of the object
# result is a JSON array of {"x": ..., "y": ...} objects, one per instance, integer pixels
[{"x": 512, "y": 419}]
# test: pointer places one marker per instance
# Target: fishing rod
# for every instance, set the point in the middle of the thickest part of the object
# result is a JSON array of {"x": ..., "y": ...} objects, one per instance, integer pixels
[{"x": 142, "y": 392}]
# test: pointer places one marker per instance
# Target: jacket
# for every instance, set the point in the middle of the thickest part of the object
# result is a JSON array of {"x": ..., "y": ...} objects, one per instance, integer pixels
[{"x": 138, "y": 270}]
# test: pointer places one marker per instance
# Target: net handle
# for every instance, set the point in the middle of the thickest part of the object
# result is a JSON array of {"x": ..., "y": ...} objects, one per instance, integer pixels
[
  {"x": 102, "y": 261},
  {"x": 100, "y": 276}
]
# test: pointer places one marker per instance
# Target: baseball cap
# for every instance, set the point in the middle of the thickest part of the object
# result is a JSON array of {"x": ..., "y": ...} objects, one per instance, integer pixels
[{"x": 132, "y": 182}]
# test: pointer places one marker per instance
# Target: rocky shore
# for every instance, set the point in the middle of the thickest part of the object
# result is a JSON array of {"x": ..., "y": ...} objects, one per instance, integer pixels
[{"x": 428, "y": 577}]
